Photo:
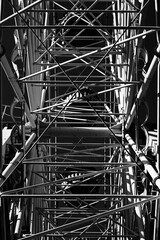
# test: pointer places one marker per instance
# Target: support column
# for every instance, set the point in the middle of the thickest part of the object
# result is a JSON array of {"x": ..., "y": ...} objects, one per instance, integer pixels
[
  {"x": 157, "y": 203},
  {"x": 1, "y": 54},
  {"x": 4, "y": 219},
  {"x": 158, "y": 114}
]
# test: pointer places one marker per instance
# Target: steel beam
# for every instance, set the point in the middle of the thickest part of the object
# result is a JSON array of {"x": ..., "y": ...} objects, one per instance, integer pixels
[
  {"x": 63, "y": 196},
  {"x": 99, "y": 132},
  {"x": 86, "y": 220},
  {"x": 20, "y": 11},
  {"x": 80, "y": 27},
  {"x": 90, "y": 53}
]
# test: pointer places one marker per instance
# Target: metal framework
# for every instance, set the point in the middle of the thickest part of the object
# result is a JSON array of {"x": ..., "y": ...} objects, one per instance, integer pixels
[{"x": 74, "y": 162}]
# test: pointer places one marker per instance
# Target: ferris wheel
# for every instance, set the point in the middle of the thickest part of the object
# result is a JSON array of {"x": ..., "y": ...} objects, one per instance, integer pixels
[{"x": 77, "y": 160}]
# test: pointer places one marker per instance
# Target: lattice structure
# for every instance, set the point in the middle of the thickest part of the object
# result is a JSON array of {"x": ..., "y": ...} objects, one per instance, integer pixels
[{"x": 74, "y": 163}]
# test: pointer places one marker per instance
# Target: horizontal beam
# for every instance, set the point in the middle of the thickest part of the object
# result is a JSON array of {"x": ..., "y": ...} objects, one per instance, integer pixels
[
  {"x": 102, "y": 144},
  {"x": 76, "y": 123},
  {"x": 82, "y": 10},
  {"x": 108, "y": 47},
  {"x": 65, "y": 84},
  {"x": 92, "y": 235},
  {"x": 83, "y": 1},
  {"x": 82, "y": 64},
  {"x": 107, "y": 27},
  {"x": 82, "y": 114},
  {"x": 79, "y": 165},
  {"x": 86, "y": 220},
  {"x": 73, "y": 196},
  {"x": 105, "y": 82},
  {"x": 98, "y": 132},
  {"x": 82, "y": 164}
]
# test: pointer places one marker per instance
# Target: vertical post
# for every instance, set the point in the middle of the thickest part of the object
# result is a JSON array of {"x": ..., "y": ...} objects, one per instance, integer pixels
[
  {"x": 1, "y": 54},
  {"x": 0, "y": 120},
  {"x": 4, "y": 219},
  {"x": 3, "y": 227},
  {"x": 158, "y": 115},
  {"x": 157, "y": 203},
  {"x": 0, "y": 100}
]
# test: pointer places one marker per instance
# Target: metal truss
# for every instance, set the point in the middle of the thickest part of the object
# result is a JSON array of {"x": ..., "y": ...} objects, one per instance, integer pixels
[{"x": 74, "y": 162}]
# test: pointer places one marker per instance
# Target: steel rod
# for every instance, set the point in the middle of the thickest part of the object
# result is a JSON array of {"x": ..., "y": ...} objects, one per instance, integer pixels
[
  {"x": 90, "y": 53},
  {"x": 80, "y": 144},
  {"x": 83, "y": 164},
  {"x": 158, "y": 115},
  {"x": 20, "y": 11},
  {"x": 86, "y": 220},
  {"x": 73, "y": 196},
  {"x": 99, "y": 132},
  {"x": 83, "y": 10},
  {"x": 15, "y": 161},
  {"x": 80, "y": 27},
  {"x": 105, "y": 82}
]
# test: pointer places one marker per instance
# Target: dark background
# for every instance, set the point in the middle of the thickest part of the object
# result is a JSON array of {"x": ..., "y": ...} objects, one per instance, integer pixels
[{"x": 8, "y": 43}]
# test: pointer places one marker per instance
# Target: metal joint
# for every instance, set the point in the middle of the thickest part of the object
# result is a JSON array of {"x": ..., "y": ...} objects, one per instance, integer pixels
[
  {"x": 157, "y": 53},
  {"x": 155, "y": 179}
]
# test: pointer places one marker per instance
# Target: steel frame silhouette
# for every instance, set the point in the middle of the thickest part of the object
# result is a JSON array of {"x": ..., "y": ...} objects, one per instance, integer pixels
[{"x": 79, "y": 72}]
